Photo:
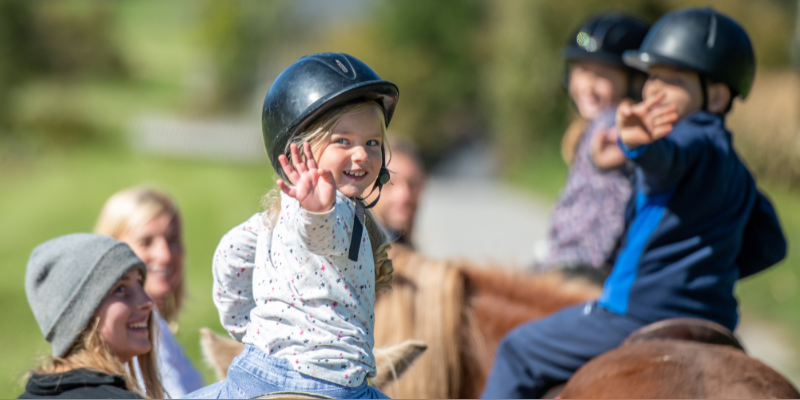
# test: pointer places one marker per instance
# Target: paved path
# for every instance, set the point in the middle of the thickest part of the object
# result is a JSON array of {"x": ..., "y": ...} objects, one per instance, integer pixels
[{"x": 480, "y": 220}]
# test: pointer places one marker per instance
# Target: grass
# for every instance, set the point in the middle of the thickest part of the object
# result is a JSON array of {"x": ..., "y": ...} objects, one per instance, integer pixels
[{"x": 63, "y": 193}]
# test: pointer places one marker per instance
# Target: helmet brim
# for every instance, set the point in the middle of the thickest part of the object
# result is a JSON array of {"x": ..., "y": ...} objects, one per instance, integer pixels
[
  {"x": 572, "y": 54},
  {"x": 384, "y": 92},
  {"x": 643, "y": 60}
]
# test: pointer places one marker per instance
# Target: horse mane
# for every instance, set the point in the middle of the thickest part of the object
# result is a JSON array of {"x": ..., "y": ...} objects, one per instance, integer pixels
[
  {"x": 461, "y": 310},
  {"x": 427, "y": 304}
]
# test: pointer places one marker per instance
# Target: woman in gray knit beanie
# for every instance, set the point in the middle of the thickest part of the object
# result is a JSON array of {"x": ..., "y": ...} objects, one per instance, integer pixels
[{"x": 86, "y": 292}]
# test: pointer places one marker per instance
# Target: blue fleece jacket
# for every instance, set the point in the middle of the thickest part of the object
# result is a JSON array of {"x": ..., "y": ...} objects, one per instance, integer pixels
[{"x": 694, "y": 226}]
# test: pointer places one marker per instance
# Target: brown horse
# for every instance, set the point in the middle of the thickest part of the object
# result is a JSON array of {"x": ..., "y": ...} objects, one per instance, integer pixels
[
  {"x": 677, "y": 369},
  {"x": 461, "y": 311}
]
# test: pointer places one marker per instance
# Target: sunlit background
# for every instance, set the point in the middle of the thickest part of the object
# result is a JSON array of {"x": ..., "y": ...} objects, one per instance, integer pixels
[{"x": 96, "y": 96}]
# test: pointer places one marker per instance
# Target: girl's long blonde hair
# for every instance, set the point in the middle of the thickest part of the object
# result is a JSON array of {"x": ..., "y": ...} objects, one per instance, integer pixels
[
  {"x": 134, "y": 207},
  {"x": 91, "y": 352},
  {"x": 318, "y": 135}
]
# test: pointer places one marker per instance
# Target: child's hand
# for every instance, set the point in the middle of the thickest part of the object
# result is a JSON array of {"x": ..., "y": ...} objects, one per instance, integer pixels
[
  {"x": 604, "y": 151},
  {"x": 314, "y": 188},
  {"x": 646, "y": 122}
]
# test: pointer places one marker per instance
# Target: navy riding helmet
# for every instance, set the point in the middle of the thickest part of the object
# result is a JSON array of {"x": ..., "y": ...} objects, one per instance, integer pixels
[
  {"x": 701, "y": 40},
  {"x": 604, "y": 38}
]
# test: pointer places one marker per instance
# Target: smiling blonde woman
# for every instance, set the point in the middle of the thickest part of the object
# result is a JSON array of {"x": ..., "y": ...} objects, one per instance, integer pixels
[{"x": 148, "y": 220}]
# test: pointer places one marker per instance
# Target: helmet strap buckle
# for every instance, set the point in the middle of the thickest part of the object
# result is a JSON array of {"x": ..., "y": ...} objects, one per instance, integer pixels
[{"x": 704, "y": 91}]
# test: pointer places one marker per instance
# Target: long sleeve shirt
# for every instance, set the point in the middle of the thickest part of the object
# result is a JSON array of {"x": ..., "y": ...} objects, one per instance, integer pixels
[
  {"x": 290, "y": 290},
  {"x": 589, "y": 216},
  {"x": 695, "y": 225}
]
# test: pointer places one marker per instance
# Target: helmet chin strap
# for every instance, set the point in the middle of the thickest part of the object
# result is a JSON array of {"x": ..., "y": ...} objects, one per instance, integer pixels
[
  {"x": 704, "y": 90},
  {"x": 360, "y": 209}
]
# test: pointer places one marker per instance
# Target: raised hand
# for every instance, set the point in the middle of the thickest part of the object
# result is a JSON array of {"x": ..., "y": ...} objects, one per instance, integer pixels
[
  {"x": 646, "y": 122},
  {"x": 604, "y": 150},
  {"x": 314, "y": 188}
]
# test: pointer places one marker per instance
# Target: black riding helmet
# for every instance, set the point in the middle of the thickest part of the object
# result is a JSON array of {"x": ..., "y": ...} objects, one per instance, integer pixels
[
  {"x": 701, "y": 40},
  {"x": 306, "y": 90},
  {"x": 310, "y": 87},
  {"x": 604, "y": 38}
]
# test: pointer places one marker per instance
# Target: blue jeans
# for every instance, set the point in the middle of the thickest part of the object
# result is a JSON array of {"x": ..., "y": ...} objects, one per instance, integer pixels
[
  {"x": 254, "y": 373},
  {"x": 541, "y": 354}
]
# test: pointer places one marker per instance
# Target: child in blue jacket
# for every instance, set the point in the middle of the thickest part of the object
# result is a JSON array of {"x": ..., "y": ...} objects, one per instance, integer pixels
[{"x": 696, "y": 223}]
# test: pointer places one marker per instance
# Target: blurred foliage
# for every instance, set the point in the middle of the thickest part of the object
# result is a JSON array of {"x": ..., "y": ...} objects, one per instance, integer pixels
[
  {"x": 796, "y": 42},
  {"x": 766, "y": 127},
  {"x": 466, "y": 69},
  {"x": 60, "y": 41},
  {"x": 239, "y": 34},
  {"x": 433, "y": 50}
]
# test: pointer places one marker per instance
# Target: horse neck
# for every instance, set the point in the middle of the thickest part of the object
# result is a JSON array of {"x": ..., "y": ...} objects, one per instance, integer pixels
[{"x": 499, "y": 300}]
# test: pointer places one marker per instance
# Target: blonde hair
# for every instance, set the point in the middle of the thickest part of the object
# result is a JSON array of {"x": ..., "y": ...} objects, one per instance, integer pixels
[
  {"x": 318, "y": 135},
  {"x": 91, "y": 352},
  {"x": 572, "y": 136},
  {"x": 134, "y": 207}
]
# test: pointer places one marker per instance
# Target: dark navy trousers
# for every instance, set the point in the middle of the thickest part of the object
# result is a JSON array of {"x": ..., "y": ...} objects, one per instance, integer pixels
[{"x": 541, "y": 354}]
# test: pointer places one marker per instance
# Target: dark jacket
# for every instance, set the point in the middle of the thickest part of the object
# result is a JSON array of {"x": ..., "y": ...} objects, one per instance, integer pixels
[
  {"x": 77, "y": 384},
  {"x": 696, "y": 224}
]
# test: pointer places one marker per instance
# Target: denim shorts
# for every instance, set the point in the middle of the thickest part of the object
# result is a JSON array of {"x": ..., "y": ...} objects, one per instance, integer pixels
[{"x": 254, "y": 373}]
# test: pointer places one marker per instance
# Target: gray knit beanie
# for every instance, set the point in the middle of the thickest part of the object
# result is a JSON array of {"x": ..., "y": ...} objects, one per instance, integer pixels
[{"x": 69, "y": 277}]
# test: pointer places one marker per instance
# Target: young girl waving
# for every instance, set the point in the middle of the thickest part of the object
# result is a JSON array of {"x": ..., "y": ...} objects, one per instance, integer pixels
[{"x": 297, "y": 283}]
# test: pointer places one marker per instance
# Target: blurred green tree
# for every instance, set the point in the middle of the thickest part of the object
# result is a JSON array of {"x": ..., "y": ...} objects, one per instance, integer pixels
[
  {"x": 43, "y": 40},
  {"x": 238, "y": 36},
  {"x": 433, "y": 51},
  {"x": 796, "y": 42}
]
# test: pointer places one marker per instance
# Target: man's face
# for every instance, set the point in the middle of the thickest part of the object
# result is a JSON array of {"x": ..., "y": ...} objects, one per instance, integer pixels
[{"x": 399, "y": 199}]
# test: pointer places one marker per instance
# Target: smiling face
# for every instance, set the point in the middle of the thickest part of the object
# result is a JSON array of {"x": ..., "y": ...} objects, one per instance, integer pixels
[
  {"x": 595, "y": 87},
  {"x": 681, "y": 88},
  {"x": 124, "y": 316},
  {"x": 353, "y": 154},
  {"x": 160, "y": 245},
  {"x": 399, "y": 200}
]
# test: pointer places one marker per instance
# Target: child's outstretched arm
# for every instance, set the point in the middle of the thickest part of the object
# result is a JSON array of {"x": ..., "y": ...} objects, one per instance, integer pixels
[
  {"x": 763, "y": 243},
  {"x": 320, "y": 225},
  {"x": 647, "y": 139},
  {"x": 233, "y": 265}
]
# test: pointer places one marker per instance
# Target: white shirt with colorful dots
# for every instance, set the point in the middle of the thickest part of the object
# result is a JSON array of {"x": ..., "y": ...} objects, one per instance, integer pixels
[{"x": 291, "y": 291}]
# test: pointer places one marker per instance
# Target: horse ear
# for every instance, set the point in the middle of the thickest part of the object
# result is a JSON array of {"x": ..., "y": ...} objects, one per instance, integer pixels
[
  {"x": 395, "y": 360},
  {"x": 219, "y": 351}
]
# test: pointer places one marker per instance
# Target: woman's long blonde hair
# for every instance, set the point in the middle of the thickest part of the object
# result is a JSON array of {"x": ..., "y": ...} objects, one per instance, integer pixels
[
  {"x": 91, "y": 352},
  {"x": 318, "y": 135},
  {"x": 134, "y": 207}
]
